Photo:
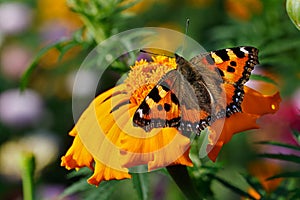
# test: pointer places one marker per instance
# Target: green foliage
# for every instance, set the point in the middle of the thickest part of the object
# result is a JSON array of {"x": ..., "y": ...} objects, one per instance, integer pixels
[
  {"x": 87, "y": 191},
  {"x": 141, "y": 185},
  {"x": 101, "y": 18},
  {"x": 279, "y": 144},
  {"x": 62, "y": 46},
  {"x": 283, "y": 157}
]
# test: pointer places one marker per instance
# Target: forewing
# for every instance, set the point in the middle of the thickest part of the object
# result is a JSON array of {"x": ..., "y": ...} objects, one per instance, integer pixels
[{"x": 234, "y": 66}]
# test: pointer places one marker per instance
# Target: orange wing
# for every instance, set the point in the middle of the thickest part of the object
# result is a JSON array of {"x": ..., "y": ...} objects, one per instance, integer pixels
[
  {"x": 170, "y": 104},
  {"x": 234, "y": 66}
]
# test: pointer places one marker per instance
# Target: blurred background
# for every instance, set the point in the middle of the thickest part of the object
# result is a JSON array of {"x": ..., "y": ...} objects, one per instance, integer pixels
[{"x": 38, "y": 119}]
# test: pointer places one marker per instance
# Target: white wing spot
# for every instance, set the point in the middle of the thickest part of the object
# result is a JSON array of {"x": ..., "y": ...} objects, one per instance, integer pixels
[
  {"x": 244, "y": 50},
  {"x": 140, "y": 112}
]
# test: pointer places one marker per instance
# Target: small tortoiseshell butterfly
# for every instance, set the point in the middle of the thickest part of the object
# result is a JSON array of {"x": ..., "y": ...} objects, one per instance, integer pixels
[{"x": 189, "y": 97}]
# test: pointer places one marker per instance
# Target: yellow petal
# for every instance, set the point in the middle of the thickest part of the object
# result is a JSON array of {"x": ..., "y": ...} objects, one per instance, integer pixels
[
  {"x": 104, "y": 172},
  {"x": 77, "y": 156}
]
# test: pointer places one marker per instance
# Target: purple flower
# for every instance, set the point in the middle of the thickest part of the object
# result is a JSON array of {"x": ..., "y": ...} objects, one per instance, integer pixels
[
  {"x": 20, "y": 109},
  {"x": 14, "y": 60}
]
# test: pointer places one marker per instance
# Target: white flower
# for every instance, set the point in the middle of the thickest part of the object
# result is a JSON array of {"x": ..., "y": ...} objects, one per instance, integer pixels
[
  {"x": 14, "y": 18},
  {"x": 41, "y": 143}
]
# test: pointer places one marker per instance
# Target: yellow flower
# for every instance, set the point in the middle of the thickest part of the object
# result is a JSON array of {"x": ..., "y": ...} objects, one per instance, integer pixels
[
  {"x": 107, "y": 142},
  {"x": 58, "y": 11},
  {"x": 121, "y": 145}
]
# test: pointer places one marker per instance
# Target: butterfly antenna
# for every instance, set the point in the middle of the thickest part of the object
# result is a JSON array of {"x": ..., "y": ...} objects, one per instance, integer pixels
[{"x": 187, "y": 23}]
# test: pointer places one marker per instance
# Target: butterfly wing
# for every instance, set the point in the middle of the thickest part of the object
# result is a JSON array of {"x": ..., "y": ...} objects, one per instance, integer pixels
[
  {"x": 180, "y": 98},
  {"x": 234, "y": 66},
  {"x": 166, "y": 105}
]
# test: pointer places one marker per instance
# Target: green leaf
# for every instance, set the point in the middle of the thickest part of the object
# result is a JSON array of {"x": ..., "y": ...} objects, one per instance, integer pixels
[
  {"x": 273, "y": 143},
  {"x": 78, "y": 186},
  {"x": 297, "y": 135},
  {"x": 266, "y": 79},
  {"x": 126, "y": 6},
  {"x": 62, "y": 46},
  {"x": 295, "y": 174},
  {"x": 32, "y": 66},
  {"x": 295, "y": 194},
  {"x": 90, "y": 192},
  {"x": 279, "y": 46},
  {"x": 102, "y": 192},
  {"x": 254, "y": 183},
  {"x": 290, "y": 157},
  {"x": 34, "y": 63},
  {"x": 82, "y": 172},
  {"x": 231, "y": 186},
  {"x": 63, "y": 50},
  {"x": 141, "y": 185}
]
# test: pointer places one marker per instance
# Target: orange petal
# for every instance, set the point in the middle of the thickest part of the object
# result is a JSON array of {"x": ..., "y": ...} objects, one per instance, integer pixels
[
  {"x": 104, "y": 172},
  {"x": 253, "y": 193},
  {"x": 95, "y": 129},
  {"x": 77, "y": 156},
  {"x": 184, "y": 159},
  {"x": 254, "y": 105},
  {"x": 259, "y": 104},
  {"x": 234, "y": 124}
]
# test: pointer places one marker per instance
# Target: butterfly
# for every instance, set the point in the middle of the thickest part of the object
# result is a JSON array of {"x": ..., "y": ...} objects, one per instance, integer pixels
[{"x": 198, "y": 92}]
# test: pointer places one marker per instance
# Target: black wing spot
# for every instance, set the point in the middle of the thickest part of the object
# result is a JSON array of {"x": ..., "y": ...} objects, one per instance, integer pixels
[
  {"x": 165, "y": 88},
  {"x": 167, "y": 107},
  {"x": 237, "y": 51},
  {"x": 145, "y": 108},
  {"x": 233, "y": 63},
  {"x": 220, "y": 72},
  {"x": 174, "y": 99},
  {"x": 154, "y": 94},
  {"x": 230, "y": 69},
  {"x": 223, "y": 55}
]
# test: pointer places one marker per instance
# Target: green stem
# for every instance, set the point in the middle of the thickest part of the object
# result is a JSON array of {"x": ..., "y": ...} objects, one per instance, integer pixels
[
  {"x": 28, "y": 168},
  {"x": 97, "y": 32},
  {"x": 181, "y": 177}
]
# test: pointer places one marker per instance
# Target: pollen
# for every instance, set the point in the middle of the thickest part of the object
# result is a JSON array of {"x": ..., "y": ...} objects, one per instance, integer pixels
[{"x": 144, "y": 73}]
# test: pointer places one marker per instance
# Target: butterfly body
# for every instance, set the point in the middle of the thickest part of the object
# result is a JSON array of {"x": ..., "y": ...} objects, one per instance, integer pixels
[{"x": 208, "y": 87}]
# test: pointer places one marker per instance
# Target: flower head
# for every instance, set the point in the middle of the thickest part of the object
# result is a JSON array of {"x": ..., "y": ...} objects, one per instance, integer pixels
[{"x": 107, "y": 142}]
